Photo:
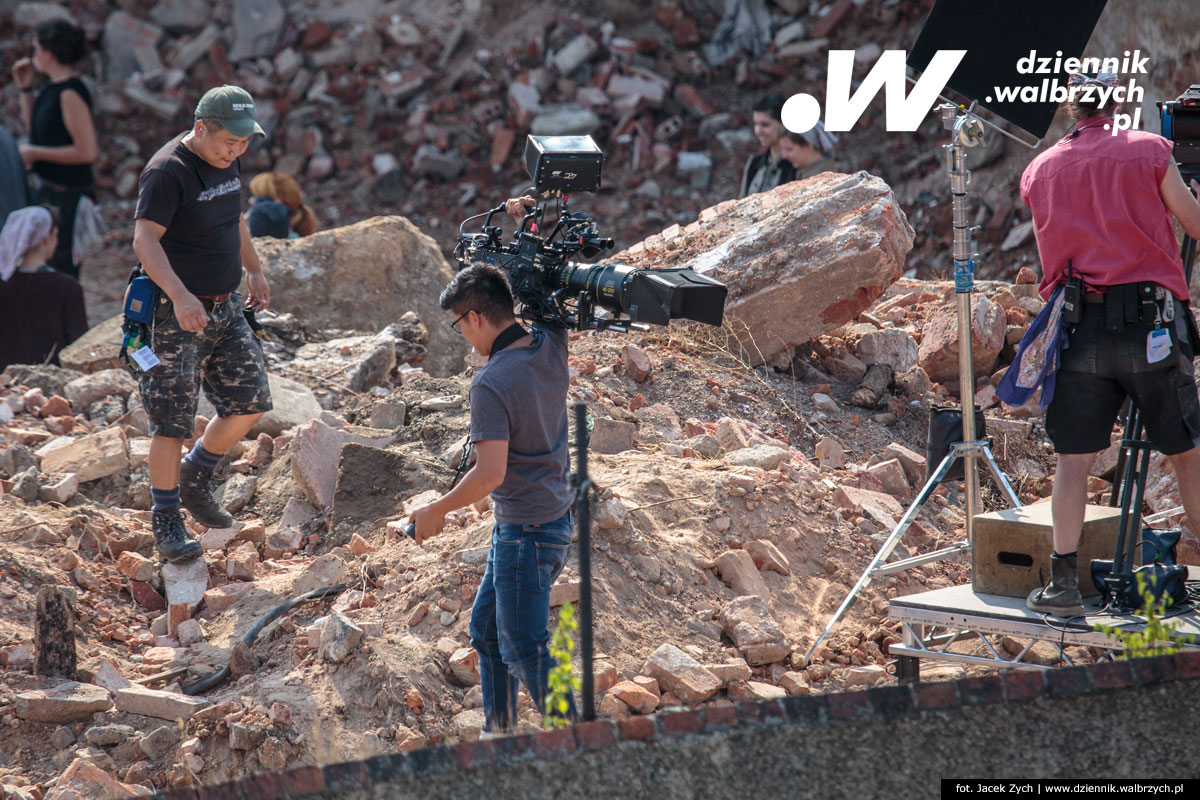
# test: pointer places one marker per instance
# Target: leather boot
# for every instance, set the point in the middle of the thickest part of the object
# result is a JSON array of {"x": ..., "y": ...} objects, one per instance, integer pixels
[
  {"x": 195, "y": 494},
  {"x": 1060, "y": 598},
  {"x": 171, "y": 538}
]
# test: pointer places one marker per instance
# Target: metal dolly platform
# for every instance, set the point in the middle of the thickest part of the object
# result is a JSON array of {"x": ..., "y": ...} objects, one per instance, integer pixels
[{"x": 932, "y": 621}]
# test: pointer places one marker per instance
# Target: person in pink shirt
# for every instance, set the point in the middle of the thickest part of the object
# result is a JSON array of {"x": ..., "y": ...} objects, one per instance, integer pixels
[{"x": 1102, "y": 203}]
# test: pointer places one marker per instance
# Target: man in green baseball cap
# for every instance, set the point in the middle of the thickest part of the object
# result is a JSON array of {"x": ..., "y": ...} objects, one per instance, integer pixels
[
  {"x": 233, "y": 107},
  {"x": 194, "y": 244}
]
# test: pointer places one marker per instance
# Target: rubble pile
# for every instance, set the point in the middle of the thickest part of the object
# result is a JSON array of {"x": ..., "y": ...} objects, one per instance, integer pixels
[
  {"x": 421, "y": 108},
  {"x": 736, "y": 508},
  {"x": 740, "y": 494}
]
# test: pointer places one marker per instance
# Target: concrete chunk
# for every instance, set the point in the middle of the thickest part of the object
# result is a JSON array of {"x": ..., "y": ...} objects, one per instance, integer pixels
[
  {"x": 681, "y": 675},
  {"x": 67, "y": 702},
  {"x": 736, "y": 568},
  {"x": 185, "y": 582},
  {"x": 316, "y": 452},
  {"x": 97, "y": 455},
  {"x": 158, "y": 704},
  {"x": 846, "y": 237},
  {"x": 748, "y": 622}
]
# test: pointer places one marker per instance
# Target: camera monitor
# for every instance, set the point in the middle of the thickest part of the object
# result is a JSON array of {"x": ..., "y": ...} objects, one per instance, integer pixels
[
  {"x": 998, "y": 35},
  {"x": 563, "y": 163}
]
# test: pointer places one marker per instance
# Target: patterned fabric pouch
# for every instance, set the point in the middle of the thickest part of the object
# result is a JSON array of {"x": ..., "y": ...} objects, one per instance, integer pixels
[{"x": 1038, "y": 357}]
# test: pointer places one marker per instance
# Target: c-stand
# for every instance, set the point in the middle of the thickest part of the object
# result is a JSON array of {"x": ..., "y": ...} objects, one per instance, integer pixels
[{"x": 966, "y": 131}]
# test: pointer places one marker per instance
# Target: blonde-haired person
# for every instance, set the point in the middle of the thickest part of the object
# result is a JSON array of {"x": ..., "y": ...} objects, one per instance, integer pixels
[
  {"x": 278, "y": 187},
  {"x": 41, "y": 309}
]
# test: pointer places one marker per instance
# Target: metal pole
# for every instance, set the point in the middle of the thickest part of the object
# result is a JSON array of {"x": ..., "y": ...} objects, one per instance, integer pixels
[
  {"x": 964, "y": 128},
  {"x": 583, "y": 519}
]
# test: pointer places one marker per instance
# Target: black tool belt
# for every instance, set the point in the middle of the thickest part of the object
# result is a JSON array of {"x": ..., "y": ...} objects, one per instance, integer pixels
[
  {"x": 1139, "y": 303},
  {"x": 1146, "y": 303}
]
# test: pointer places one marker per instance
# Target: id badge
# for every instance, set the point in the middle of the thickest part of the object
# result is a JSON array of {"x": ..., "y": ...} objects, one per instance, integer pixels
[
  {"x": 145, "y": 359},
  {"x": 1158, "y": 345}
]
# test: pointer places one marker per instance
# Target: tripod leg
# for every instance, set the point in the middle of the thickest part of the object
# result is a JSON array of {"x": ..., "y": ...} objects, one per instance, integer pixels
[
  {"x": 998, "y": 476},
  {"x": 888, "y": 546}
]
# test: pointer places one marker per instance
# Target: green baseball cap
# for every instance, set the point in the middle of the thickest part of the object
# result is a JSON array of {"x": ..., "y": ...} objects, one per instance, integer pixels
[{"x": 233, "y": 107}]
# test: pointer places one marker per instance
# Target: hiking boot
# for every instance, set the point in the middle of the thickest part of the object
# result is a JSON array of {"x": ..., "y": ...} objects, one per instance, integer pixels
[
  {"x": 171, "y": 537},
  {"x": 1059, "y": 598},
  {"x": 195, "y": 494}
]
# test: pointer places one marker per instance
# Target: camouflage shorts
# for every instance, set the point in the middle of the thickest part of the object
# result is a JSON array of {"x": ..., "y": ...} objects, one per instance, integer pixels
[{"x": 224, "y": 358}]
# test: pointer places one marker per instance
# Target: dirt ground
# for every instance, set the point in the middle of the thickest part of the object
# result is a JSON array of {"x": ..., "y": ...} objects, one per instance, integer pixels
[
  {"x": 654, "y": 576},
  {"x": 669, "y": 512}
]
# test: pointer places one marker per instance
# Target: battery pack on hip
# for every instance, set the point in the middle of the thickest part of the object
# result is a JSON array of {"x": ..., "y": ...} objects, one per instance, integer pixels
[{"x": 140, "y": 300}]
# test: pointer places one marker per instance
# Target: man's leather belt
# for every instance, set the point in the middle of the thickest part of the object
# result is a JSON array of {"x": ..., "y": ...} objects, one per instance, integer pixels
[{"x": 215, "y": 299}]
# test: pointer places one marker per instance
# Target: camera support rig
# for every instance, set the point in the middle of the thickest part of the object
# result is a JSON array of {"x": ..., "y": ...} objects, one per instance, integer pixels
[{"x": 551, "y": 287}]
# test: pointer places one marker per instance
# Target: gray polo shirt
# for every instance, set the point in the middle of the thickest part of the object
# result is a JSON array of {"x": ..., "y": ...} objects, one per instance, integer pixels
[{"x": 520, "y": 397}]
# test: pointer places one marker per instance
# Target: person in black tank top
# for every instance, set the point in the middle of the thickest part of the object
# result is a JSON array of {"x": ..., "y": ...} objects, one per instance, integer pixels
[{"x": 62, "y": 134}]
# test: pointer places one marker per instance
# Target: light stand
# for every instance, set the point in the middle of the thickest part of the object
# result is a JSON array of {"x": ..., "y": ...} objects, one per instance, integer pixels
[{"x": 967, "y": 131}]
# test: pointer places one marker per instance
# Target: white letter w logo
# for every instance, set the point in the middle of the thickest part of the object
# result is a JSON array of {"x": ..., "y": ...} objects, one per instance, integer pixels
[{"x": 802, "y": 111}]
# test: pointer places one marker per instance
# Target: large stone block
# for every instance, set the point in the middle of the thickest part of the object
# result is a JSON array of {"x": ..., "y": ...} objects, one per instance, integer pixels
[
  {"x": 681, "y": 675},
  {"x": 373, "y": 483},
  {"x": 87, "y": 389},
  {"x": 96, "y": 455},
  {"x": 316, "y": 452},
  {"x": 365, "y": 275},
  {"x": 748, "y": 622},
  {"x": 67, "y": 702},
  {"x": 799, "y": 260},
  {"x": 294, "y": 404},
  {"x": 158, "y": 704}
]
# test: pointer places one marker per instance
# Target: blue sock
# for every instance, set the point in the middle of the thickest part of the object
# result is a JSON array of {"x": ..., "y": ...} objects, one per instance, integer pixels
[
  {"x": 165, "y": 499},
  {"x": 202, "y": 458}
]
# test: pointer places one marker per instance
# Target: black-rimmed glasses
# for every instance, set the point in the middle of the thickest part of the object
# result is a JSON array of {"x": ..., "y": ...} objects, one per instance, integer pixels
[{"x": 454, "y": 325}]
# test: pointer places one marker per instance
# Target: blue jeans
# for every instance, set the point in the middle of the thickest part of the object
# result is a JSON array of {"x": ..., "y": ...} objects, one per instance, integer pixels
[{"x": 510, "y": 615}]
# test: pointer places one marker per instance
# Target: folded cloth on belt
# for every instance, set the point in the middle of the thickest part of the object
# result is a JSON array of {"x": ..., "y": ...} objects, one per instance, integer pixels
[{"x": 1038, "y": 356}]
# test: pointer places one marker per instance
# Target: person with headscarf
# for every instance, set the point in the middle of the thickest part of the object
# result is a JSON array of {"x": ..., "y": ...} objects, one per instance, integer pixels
[
  {"x": 810, "y": 153},
  {"x": 41, "y": 309},
  {"x": 275, "y": 195},
  {"x": 768, "y": 169},
  {"x": 62, "y": 135},
  {"x": 1102, "y": 201}
]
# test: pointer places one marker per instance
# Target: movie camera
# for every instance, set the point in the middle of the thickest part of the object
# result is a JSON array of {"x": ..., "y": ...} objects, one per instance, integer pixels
[
  {"x": 1181, "y": 124},
  {"x": 550, "y": 286}
]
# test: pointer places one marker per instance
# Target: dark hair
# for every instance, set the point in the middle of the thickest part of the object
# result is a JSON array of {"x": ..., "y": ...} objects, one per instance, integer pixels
[
  {"x": 798, "y": 138},
  {"x": 211, "y": 124},
  {"x": 55, "y": 216},
  {"x": 65, "y": 41},
  {"x": 771, "y": 104},
  {"x": 481, "y": 288}
]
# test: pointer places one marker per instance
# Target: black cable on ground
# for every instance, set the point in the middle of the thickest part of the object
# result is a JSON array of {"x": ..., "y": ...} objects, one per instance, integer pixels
[{"x": 218, "y": 677}]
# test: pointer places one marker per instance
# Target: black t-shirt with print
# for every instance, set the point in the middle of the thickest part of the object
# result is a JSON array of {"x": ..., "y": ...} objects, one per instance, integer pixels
[{"x": 201, "y": 207}]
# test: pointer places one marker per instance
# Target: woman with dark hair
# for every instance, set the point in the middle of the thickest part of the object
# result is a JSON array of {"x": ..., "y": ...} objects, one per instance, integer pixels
[
  {"x": 768, "y": 169},
  {"x": 62, "y": 135},
  {"x": 810, "y": 153}
]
